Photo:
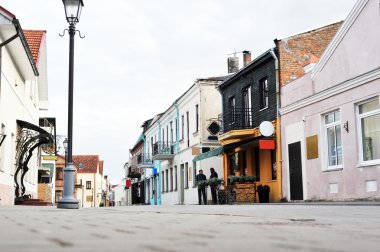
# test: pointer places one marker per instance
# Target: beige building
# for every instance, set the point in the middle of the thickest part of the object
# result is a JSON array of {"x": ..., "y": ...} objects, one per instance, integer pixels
[{"x": 89, "y": 180}]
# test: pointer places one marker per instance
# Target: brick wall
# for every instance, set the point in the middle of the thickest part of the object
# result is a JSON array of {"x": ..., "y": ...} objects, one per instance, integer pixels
[
  {"x": 44, "y": 192},
  {"x": 295, "y": 52}
]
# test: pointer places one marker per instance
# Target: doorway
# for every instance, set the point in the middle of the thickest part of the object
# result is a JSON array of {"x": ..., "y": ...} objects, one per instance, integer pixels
[
  {"x": 182, "y": 184},
  {"x": 295, "y": 171}
]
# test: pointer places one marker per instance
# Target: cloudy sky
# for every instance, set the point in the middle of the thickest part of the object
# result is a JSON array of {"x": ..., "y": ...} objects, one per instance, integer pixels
[{"x": 138, "y": 56}]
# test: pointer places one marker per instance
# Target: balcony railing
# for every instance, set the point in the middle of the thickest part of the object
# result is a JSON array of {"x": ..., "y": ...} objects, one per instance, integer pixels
[
  {"x": 163, "y": 150},
  {"x": 237, "y": 119},
  {"x": 144, "y": 160}
]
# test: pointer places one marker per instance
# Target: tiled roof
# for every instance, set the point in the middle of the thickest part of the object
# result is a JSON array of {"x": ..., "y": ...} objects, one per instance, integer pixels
[
  {"x": 34, "y": 39},
  {"x": 86, "y": 163}
]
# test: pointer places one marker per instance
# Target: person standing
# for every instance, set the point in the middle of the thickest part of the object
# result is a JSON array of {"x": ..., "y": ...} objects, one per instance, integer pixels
[
  {"x": 213, "y": 187},
  {"x": 201, "y": 189}
]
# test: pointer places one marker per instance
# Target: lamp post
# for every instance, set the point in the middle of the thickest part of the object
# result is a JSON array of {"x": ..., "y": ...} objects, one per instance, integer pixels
[{"x": 73, "y": 10}]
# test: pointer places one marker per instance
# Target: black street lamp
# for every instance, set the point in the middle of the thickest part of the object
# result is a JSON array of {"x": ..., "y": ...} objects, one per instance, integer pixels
[{"x": 73, "y": 10}]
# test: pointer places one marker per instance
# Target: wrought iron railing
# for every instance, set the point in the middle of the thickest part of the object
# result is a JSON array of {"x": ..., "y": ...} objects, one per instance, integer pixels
[
  {"x": 237, "y": 119},
  {"x": 163, "y": 148}
]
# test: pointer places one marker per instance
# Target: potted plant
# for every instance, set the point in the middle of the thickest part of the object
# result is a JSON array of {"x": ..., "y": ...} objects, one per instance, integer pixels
[
  {"x": 214, "y": 182},
  {"x": 250, "y": 179},
  {"x": 232, "y": 180},
  {"x": 263, "y": 191},
  {"x": 202, "y": 184}
]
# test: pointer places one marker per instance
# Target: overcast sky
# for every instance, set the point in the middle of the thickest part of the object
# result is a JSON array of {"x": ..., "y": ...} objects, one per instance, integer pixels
[{"x": 139, "y": 56}]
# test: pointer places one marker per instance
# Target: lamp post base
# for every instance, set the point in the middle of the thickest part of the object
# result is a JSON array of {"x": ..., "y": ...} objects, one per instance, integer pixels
[{"x": 68, "y": 204}]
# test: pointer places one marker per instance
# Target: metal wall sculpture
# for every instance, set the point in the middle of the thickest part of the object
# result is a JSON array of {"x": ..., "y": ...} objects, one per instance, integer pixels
[{"x": 29, "y": 137}]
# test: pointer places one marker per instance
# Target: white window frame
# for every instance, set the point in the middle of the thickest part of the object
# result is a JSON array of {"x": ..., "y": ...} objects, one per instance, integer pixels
[
  {"x": 325, "y": 126},
  {"x": 264, "y": 91},
  {"x": 359, "y": 133}
]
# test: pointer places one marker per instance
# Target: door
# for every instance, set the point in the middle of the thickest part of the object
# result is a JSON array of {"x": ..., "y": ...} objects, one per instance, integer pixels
[
  {"x": 182, "y": 184},
  {"x": 295, "y": 171}
]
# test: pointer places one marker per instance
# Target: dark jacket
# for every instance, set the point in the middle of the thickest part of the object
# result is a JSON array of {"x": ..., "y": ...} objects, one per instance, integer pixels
[
  {"x": 200, "y": 177},
  {"x": 214, "y": 175}
]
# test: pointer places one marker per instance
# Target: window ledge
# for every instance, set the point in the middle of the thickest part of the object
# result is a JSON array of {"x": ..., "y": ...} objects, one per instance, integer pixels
[
  {"x": 365, "y": 165},
  {"x": 333, "y": 169},
  {"x": 263, "y": 109},
  {"x": 195, "y": 133},
  {"x": 186, "y": 187}
]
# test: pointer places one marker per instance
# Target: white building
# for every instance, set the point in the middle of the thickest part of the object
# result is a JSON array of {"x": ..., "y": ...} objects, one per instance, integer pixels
[
  {"x": 89, "y": 180},
  {"x": 23, "y": 93},
  {"x": 174, "y": 138}
]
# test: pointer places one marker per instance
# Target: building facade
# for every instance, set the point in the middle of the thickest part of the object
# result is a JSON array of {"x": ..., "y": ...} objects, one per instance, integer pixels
[
  {"x": 89, "y": 180},
  {"x": 172, "y": 141},
  {"x": 249, "y": 98},
  {"x": 23, "y": 93},
  {"x": 331, "y": 122}
]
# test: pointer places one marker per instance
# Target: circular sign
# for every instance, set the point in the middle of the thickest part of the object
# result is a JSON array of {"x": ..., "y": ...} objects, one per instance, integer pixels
[{"x": 266, "y": 128}]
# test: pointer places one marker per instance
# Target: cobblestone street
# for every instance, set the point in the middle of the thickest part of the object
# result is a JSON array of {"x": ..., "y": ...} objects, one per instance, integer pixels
[{"x": 192, "y": 228}]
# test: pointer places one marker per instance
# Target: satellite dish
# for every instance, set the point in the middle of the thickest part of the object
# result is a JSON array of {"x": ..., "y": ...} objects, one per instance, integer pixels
[{"x": 266, "y": 128}]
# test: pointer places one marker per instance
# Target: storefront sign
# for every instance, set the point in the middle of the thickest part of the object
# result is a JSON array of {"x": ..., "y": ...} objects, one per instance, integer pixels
[{"x": 267, "y": 144}]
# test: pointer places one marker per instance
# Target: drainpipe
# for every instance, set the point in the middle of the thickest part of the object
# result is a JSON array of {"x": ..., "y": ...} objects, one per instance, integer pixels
[
  {"x": 278, "y": 124},
  {"x": 177, "y": 146}
]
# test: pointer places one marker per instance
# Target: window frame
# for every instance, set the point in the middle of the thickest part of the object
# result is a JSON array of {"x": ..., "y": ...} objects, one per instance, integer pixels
[
  {"x": 196, "y": 118},
  {"x": 263, "y": 92},
  {"x": 359, "y": 132},
  {"x": 326, "y": 166},
  {"x": 88, "y": 185}
]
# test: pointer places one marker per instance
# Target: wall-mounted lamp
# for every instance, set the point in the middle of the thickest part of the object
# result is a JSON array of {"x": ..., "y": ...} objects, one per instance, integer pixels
[
  {"x": 345, "y": 126},
  {"x": 2, "y": 138}
]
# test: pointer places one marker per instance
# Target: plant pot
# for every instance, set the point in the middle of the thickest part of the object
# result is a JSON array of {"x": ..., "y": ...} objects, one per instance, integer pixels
[{"x": 264, "y": 196}]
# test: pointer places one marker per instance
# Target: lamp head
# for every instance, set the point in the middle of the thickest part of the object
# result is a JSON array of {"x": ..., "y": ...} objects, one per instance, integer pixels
[{"x": 73, "y": 10}]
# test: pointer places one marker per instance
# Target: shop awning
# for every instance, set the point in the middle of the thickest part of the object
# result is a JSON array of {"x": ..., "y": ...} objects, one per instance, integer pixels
[{"x": 209, "y": 154}]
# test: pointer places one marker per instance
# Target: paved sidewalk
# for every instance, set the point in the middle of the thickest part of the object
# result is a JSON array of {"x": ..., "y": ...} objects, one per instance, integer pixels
[{"x": 234, "y": 228}]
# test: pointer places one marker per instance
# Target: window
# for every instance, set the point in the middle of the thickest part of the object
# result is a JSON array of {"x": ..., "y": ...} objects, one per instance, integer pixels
[
  {"x": 167, "y": 180},
  {"x": 171, "y": 132},
  {"x": 369, "y": 126},
  {"x": 175, "y": 178},
  {"x": 59, "y": 174},
  {"x": 196, "y": 118},
  {"x": 88, "y": 185},
  {"x": 247, "y": 105},
  {"x": 80, "y": 165},
  {"x": 163, "y": 181},
  {"x": 187, "y": 175},
  {"x": 232, "y": 109},
  {"x": 176, "y": 129},
  {"x": 167, "y": 135},
  {"x": 333, "y": 140},
  {"x": 187, "y": 129},
  {"x": 274, "y": 167},
  {"x": 194, "y": 173},
  {"x": 183, "y": 127},
  {"x": 171, "y": 179},
  {"x": 263, "y": 91}
]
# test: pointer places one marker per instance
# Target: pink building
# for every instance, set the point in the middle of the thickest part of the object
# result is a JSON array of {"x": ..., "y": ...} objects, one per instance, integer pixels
[{"x": 330, "y": 117}]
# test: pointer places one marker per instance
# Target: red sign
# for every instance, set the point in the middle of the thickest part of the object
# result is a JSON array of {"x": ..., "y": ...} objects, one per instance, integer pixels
[
  {"x": 267, "y": 144},
  {"x": 128, "y": 183}
]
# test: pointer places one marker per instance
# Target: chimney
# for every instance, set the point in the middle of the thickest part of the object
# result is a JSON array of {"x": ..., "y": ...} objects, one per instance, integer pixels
[
  {"x": 233, "y": 64},
  {"x": 246, "y": 58}
]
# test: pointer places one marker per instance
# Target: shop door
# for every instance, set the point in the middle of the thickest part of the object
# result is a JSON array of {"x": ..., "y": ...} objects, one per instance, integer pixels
[{"x": 295, "y": 171}]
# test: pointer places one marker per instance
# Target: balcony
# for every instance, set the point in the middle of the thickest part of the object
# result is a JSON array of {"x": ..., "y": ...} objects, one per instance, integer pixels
[
  {"x": 163, "y": 151},
  {"x": 237, "y": 120},
  {"x": 237, "y": 126},
  {"x": 143, "y": 161}
]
